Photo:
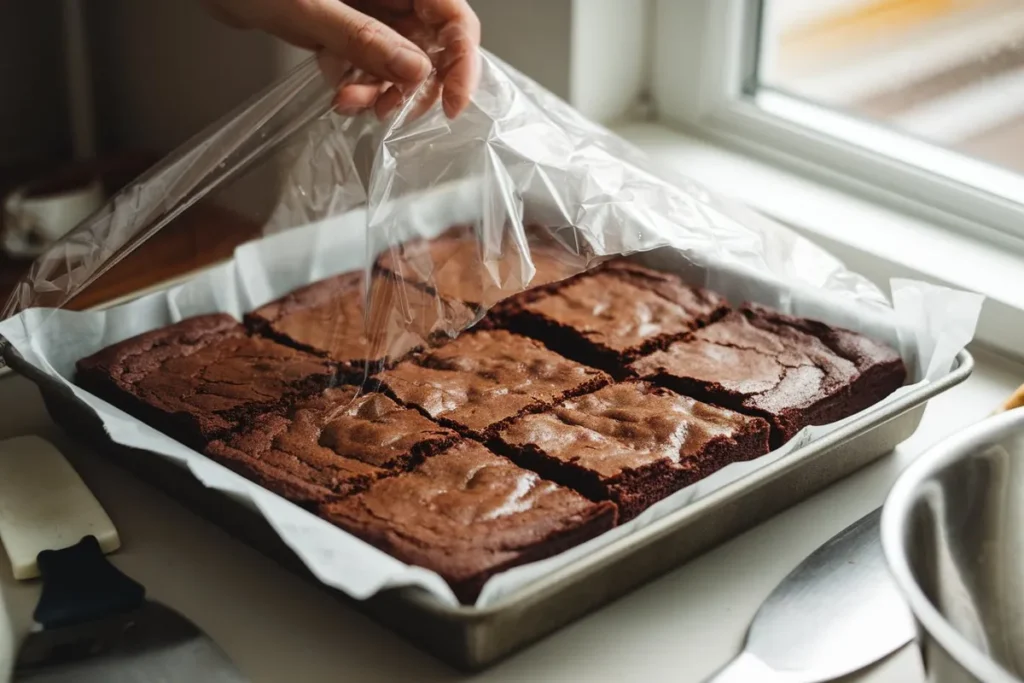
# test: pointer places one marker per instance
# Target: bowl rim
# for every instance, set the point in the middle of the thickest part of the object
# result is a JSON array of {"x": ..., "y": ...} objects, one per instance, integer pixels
[{"x": 895, "y": 512}]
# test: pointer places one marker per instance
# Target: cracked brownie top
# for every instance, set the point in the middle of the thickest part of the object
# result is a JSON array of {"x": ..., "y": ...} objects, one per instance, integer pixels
[
  {"x": 454, "y": 266},
  {"x": 627, "y": 426},
  {"x": 201, "y": 376},
  {"x": 747, "y": 363},
  {"x": 467, "y": 514},
  {"x": 331, "y": 445},
  {"x": 625, "y": 308},
  {"x": 484, "y": 378},
  {"x": 614, "y": 314},
  {"x": 328, "y": 318},
  {"x": 632, "y": 443}
]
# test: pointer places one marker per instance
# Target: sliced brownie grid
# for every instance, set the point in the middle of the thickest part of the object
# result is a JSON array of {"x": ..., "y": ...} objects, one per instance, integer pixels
[
  {"x": 483, "y": 379},
  {"x": 468, "y": 514},
  {"x": 632, "y": 443},
  {"x": 706, "y": 388},
  {"x": 328, "y": 318},
  {"x": 613, "y": 315},
  {"x": 331, "y": 445},
  {"x": 764, "y": 364},
  {"x": 202, "y": 377}
]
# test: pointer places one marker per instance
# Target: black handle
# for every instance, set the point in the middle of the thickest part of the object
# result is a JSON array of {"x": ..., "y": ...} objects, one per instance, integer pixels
[{"x": 80, "y": 585}]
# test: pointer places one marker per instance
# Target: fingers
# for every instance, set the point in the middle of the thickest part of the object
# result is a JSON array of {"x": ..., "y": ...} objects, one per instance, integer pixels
[
  {"x": 382, "y": 51},
  {"x": 393, "y": 98},
  {"x": 355, "y": 99},
  {"x": 425, "y": 98},
  {"x": 388, "y": 102},
  {"x": 367, "y": 43},
  {"x": 355, "y": 92},
  {"x": 458, "y": 31},
  {"x": 462, "y": 69}
]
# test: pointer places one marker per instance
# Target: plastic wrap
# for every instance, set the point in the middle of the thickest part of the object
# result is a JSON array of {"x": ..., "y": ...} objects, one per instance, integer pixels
[{"x": 318, "y": 194}]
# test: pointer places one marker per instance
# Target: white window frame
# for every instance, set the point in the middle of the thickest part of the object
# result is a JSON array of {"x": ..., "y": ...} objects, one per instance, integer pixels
[
  {"x": 702, "y": 58},
  {"x": 591, "y": 53}
]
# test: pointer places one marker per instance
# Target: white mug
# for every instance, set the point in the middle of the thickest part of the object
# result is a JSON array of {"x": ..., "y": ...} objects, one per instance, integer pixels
[{"x": 33, "y": 220}]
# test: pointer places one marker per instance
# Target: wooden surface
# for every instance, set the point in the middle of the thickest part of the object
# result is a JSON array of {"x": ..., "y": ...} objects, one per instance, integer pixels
[
  {"x": 1015, "y": 401},
  {"x": 202, "y": 236}
]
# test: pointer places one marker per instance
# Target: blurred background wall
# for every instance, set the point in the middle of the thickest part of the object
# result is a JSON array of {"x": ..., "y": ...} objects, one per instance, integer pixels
[
  {"x": 163, "y": 69},
  {"x": 32, "y": 103}
]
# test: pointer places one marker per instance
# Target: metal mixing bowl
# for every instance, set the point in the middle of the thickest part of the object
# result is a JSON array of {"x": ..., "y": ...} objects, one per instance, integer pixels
[{"x": 953, "y": 533}]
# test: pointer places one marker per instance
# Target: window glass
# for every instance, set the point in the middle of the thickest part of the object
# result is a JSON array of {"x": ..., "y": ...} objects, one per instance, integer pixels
[{"x": 947, "y": 71}]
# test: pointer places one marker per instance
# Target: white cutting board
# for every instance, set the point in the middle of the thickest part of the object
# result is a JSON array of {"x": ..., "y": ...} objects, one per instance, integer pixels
[{"x": 45, "y": 505}]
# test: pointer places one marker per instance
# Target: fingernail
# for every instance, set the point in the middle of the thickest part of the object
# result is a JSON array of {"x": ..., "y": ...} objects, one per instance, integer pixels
[{"x": 409, "y": 65}]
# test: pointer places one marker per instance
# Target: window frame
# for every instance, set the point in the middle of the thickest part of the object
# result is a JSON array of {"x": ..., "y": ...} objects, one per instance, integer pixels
[{"x": 702, "y": 66}]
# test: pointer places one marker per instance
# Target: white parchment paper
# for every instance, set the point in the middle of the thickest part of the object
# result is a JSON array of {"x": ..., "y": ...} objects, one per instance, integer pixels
[{"x": 929, "y": 325}]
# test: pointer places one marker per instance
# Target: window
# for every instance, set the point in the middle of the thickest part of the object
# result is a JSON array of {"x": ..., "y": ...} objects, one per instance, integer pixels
[
  {"x": 947, "y": 71},
  {"x": 916, "y": 103}
]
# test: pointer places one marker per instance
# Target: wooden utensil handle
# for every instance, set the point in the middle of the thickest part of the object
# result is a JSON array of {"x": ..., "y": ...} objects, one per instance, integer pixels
[{"x": 1015, "y": 401}]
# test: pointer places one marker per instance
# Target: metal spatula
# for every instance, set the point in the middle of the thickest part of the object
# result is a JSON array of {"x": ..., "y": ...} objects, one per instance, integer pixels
[
  {"x": 835, "y": 614},
  {"x": 93, "y": 624}
]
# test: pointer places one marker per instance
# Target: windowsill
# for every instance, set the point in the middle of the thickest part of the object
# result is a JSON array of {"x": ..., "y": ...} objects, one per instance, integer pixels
[{"x": 879, "y": 243}]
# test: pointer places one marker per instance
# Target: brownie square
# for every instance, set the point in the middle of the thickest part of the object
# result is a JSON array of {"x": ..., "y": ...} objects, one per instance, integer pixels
[
  {"x": 880, "y": 369},
  {"x": 453, "y": 265},
  {"x": 201, "y": 377},
  {"x": 754, "y": 362},
  {"x": 328, "y": 318},
  {"x": 614, "y": 314},
  {"x": 485, "y": 378},
  {"x": 468, "y": 514},
  {"x": 632, "y": 443},
  {"x": 331, "y": 445}
]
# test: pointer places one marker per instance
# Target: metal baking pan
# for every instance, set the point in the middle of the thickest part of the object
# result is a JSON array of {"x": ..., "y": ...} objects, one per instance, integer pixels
[{"x": 471, "y": 638}]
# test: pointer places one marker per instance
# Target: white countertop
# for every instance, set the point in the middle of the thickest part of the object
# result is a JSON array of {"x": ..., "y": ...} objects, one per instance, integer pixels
[{"x": 679, "y": 628}]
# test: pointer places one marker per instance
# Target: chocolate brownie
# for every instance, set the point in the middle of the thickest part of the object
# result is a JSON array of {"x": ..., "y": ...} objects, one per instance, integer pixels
[
  {"x": 328, "y": 318},
  {"x": 201, "y": 377},
  {"x": 453, "y": 266},
  {"x": 468, "y": 514},
  {"x": 612, "y": 315},
  {"x": 880, "y": 368},
  {"x": 331, "y": 445},
  {"x": 632, "y": 443},
  {"x": 484, "y": 378},
  {"x": 752, "y": 362}
]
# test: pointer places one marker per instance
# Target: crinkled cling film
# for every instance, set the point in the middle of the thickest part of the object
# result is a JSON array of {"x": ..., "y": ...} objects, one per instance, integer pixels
[
  {"x": 433, "y": 222},
  {"x": 519, "y": 170}
]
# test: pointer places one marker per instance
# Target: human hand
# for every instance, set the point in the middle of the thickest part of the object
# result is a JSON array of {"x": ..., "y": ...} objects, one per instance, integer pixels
[{"x": 385, "y": 39}]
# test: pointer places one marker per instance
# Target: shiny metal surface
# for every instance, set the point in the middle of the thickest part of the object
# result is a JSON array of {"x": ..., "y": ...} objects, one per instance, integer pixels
[
  {"x": 153, "y": 645},
  {"x": 953, "y": 533},
  {"x": 836, "y": 613},
  {"x": 471, "y": 638}
]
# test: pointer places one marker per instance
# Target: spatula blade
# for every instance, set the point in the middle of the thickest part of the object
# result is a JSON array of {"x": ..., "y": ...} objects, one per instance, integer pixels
[{"x": 836, "y": 613}]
